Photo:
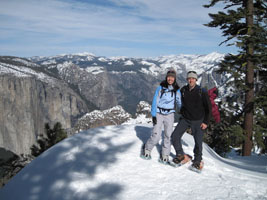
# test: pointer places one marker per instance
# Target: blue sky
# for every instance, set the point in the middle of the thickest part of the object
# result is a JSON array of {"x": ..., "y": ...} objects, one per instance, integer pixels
[{"x": 132, "y": 28}]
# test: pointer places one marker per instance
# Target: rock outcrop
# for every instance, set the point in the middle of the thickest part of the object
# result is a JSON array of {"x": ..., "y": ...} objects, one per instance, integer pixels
[
  {"x": 28, "y": 100},
  {"x": 113, "y": 116}
]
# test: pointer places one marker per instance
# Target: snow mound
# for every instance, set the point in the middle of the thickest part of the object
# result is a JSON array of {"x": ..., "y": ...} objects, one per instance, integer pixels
[{"x": 104, "y": 163}]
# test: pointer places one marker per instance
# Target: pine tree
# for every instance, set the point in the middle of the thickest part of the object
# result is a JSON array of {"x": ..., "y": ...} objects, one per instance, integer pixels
[
  {"x": 261, "y": 112},
  {"x": 52, "y": 137},
  {"x": 244, "y": 25},
  {"x": 222, "y": 136}
]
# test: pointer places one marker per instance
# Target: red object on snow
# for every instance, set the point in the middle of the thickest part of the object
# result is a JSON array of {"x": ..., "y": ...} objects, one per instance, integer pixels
[{"x": 213, "y": 93}]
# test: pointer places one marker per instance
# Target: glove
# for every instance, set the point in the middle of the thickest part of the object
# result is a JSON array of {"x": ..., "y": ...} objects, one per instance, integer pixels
[{"x": 154, "y": 119}]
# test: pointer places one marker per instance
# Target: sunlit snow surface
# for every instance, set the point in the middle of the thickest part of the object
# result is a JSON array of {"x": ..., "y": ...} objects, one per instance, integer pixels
[{"x": 104, "y": 163}]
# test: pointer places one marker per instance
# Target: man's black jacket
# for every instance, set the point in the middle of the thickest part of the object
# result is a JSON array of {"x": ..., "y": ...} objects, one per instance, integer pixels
[{"x": 196, "y": 104}]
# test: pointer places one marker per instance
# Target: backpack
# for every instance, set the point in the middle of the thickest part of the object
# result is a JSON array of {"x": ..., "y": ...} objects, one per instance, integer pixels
[
  {"x": 213, "y": 94},
  {"x": 215, "y": 110}
]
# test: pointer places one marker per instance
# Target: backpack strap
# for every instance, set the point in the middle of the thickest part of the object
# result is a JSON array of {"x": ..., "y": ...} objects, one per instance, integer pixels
[
  {"x": 200, "y": 91},
  {"x": 175, "y": 92},
  {"x": 162, "y": 91},
  {"x": 182, "y": 91}
]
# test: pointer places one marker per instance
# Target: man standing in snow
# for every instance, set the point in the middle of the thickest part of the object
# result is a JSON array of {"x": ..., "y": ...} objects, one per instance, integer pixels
[
  {"x": 196, "y": 112},
  {"x": 166, "y": 98}
]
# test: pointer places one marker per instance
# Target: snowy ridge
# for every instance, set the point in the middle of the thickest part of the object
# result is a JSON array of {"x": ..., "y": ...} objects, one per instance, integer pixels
[
  {"x": 151, "y": 66},
  {"x": 199, "y": 63},
  {"x": 64, "y": 65},
  {"x": 113, "y": 116},
  {"x": 20, "y": 71},
  {"x": 129, "y": 62},
  {"x": 25, "y": 62},
  {"x": 96, "y": 114},
  {"x": 104, "y": 163},
  {"x": 102, "y": 59},
  {"x": 68, "y": 65},
  {"x": 95, "y": 70},
  {"x": 181, "y": 63},
  {"x": 126, "y": 72}
]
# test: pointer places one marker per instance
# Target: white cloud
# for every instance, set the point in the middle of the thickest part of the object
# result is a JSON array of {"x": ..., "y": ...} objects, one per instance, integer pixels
[{"x": 56, "y": 22}]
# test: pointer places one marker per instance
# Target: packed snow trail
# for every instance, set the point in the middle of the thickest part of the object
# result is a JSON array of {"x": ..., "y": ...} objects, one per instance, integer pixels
[{"x": 104, "y": 163}]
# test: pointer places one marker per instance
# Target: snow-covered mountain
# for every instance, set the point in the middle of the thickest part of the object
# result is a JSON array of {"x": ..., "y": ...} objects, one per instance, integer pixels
[
  {"x": 156, "y": 66},
  {"x": 104, "y": 163},
  {"x": 65, "y": 87},
  {"x": 151, "y": 66},
  {"x": 107, "y": 82}
]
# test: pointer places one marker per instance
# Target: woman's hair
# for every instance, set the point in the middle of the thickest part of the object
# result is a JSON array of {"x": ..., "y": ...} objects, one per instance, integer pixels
[{"x": 174, "y": 85}]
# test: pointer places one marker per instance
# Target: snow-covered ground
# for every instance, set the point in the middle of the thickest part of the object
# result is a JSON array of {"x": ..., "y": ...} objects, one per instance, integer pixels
[{"x": 104, "y": 163}]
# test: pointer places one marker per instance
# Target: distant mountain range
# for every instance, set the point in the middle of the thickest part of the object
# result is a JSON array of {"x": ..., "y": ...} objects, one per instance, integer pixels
[
  {"x": 106, "y": 82},
  {"x": 63, "y": 88}
]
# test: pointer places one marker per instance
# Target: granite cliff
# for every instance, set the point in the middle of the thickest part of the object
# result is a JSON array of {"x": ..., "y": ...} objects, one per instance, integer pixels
[{"x": 28, "y": 100}]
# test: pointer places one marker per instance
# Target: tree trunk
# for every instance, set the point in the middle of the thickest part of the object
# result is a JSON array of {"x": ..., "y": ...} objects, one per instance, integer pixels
[{"x": 249, "y": 97}]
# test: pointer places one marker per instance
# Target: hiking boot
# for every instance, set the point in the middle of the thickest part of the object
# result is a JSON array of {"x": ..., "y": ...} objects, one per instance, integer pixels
[
  {"x": 179, "y": 158},
  {"x": 147, "y": 154},
  {"x": 196, "y": 165},
  {"x": 165, "y": 159}
]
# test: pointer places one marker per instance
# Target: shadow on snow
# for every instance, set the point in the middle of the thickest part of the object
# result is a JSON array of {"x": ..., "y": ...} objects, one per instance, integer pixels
[{"x": 66, "y": 170}]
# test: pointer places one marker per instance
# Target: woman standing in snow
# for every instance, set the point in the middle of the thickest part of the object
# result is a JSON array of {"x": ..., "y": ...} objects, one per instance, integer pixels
[{"x": 166, "y": 99}]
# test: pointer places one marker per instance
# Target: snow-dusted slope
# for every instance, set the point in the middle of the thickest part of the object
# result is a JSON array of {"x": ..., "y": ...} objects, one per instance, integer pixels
[
  {"x": 24, "y": 71},
  {"x": 104, "y": 163},
  {"x": 183, "y": 62},
  {"x": 151, "y": 66}
]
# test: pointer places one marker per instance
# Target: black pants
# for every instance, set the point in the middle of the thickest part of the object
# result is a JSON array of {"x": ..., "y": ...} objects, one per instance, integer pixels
[{"x": 197, "y": 133}]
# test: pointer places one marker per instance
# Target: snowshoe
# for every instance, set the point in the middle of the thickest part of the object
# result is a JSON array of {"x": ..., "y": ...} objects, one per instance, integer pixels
[
  {"x": 146, "y": 154},
  {"x": 164, "y": 160},
  {"x": 197, "y": 167},
  {"x": 180, "y": 160}
]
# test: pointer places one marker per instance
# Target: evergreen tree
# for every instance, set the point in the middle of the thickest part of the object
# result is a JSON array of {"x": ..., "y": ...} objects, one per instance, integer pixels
[
  {"x": 52, "y": 137},
  {"x": 244, "y": 25},
  {"x": 261, "y": 113},
  {"x": 222, "y": 136}
]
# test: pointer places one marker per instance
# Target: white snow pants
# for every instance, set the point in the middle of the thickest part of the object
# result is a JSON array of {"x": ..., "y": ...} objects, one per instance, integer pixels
[{"x": 167, "y": 121}]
